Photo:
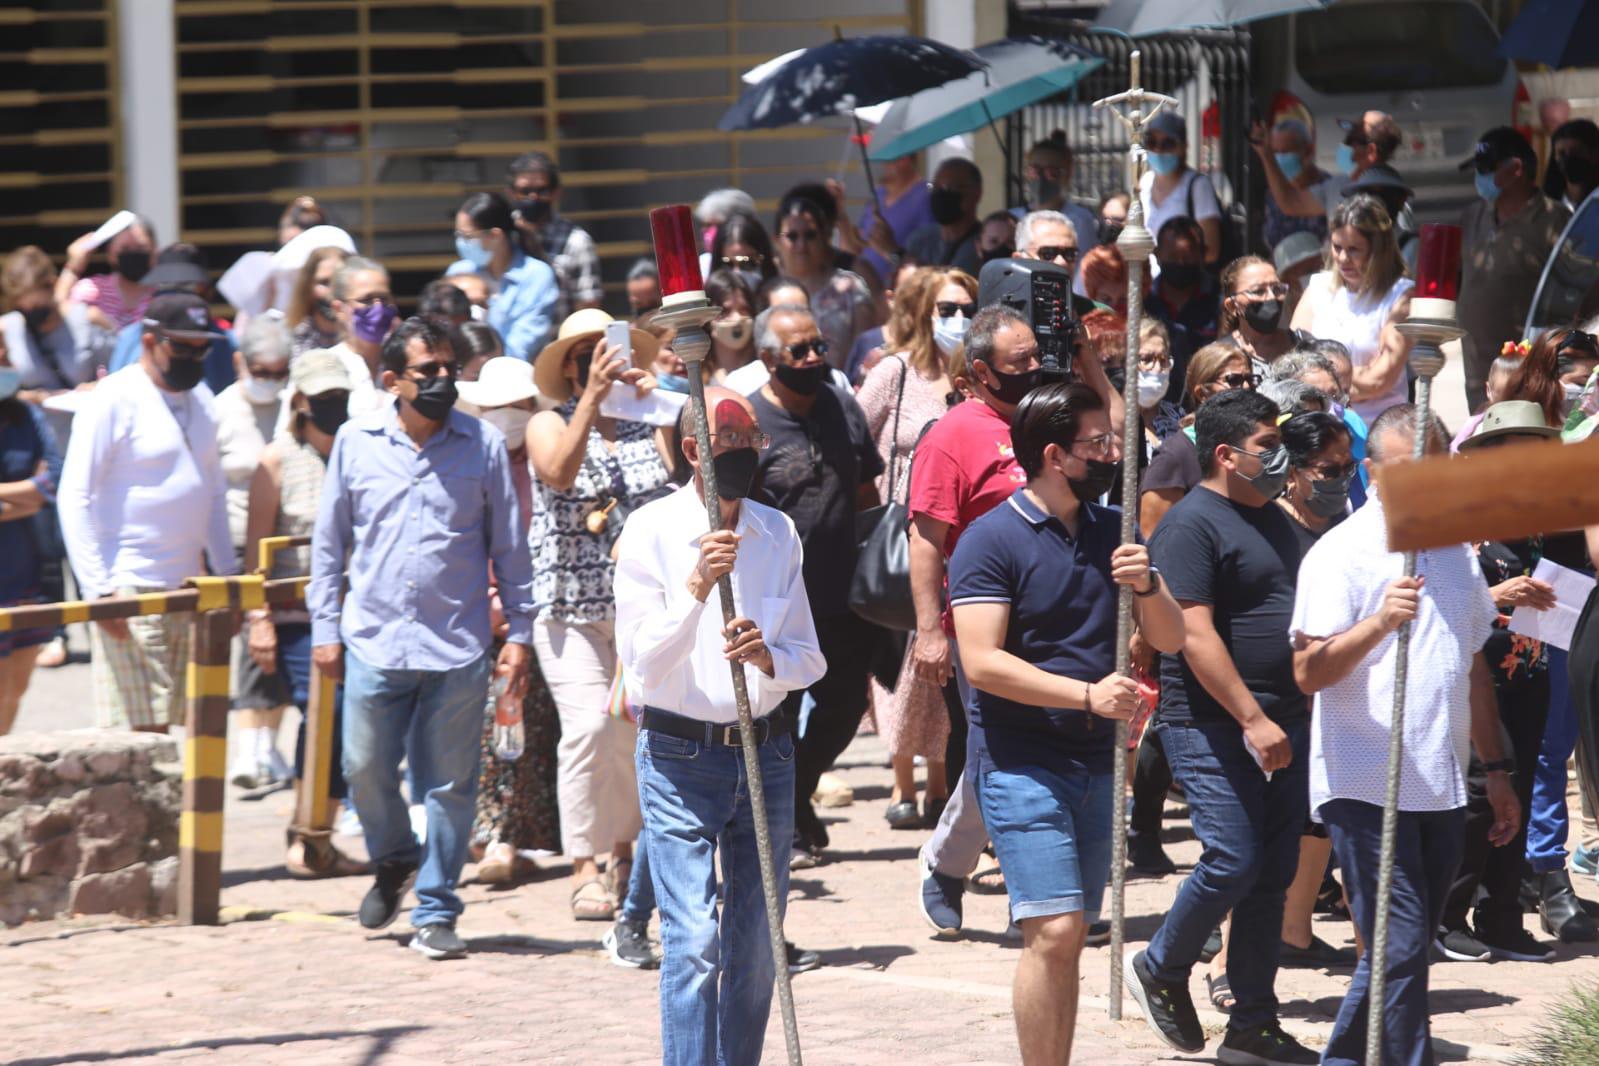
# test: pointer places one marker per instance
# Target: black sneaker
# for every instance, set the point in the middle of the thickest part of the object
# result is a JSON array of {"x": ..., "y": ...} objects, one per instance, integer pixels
[
  {"x": 1146, "y": 858},
  {"x": 382, "y": 903},
  {"x": 1098, "y": 933},
  {"x": 1168, "y": 1009},
  {"x": 629, "y": 945},
  {"x": 903, "y": 815},
  {"x": 438, "y": 941},
  {"x": 1514, "y": 943},
  {"x": 800, "y": 960},
  {"x": 1318, "y": 955},
  {"x": 1265, "y": 1045},
  {"x": 1461, "y": 945},
  {"x": 1213, "y": 945},
  {"x": 940, "y": 900}
]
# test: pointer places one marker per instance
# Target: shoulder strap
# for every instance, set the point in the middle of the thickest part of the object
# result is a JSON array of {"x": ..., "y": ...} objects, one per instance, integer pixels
[
  {"x": 899, "y": 402},
  {"x": 1193, "y": 176}
]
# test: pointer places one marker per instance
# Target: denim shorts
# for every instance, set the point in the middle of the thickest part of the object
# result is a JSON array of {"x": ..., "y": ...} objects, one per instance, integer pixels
[{"x": 1051, "y": 832}]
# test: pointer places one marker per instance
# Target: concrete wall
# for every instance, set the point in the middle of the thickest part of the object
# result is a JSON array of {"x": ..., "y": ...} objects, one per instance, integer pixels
[{"x": 147, "y": 107}]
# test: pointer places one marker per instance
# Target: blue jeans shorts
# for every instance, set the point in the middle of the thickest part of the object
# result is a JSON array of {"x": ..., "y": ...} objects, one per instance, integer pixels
[{"x": 1051, "y": 834}]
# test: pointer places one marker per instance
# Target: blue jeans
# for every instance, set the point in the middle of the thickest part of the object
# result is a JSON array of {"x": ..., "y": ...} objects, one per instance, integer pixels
[
  {"x": 433, "y": 720},
  {"x": 640, "y": 901},
  {"x": 294, "y": 659},
  {"x": 1427, "y": 849},
  {"x": 1549, "y": 820},
  {"x": 1250, "y": 829},
  {"x": 716, "y": 976}
]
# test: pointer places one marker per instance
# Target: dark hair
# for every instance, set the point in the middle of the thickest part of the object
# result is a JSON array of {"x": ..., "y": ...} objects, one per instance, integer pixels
[
  {"x": 1179, "y": 226},
  {"x": 1538, "y": 377},
  {"x": 303, "y": 212},
  {"x": 1000, "y": 216},
  {"x": 778, "y": 281},
  {"x": 973, "y": 173},
  {"x": 472, "y": 340},
  {"x": 534, "y": 163},
  {"x": 1049, "y": 415},
  {"x": 741, "y": 227},
  {"x": 986, "y": 324},
  {"x": 802, "y": 199},
  {"x": 489, "y": 210},
  {"x": 431, "y": 331},
  {"x": 442, "y": 299},
  {"x": 1307, "y": 435},
  {"x": 723, "y": 283},
  {"x": 1229, "y": 418},
  {"x": 1055, "y": 142}
]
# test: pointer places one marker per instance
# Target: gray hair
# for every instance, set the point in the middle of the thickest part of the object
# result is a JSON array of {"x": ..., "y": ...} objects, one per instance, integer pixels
[
  {"x": 266, "y": 339},
  {"x": 644, "y": 267},
  {"x": 1033, "y": 219},
  {"x": 988, "y": 323},
  {"x": 1400, "y": 421},
  {"x": 1293, "y": 397},
  {"x": 1292, "y": 367},
  {"x": 1295, "y": 129},
  {"x": 355, "y": 264},
  {"x": 717, "y": 204},
  {"x": 765, "y": 338}
]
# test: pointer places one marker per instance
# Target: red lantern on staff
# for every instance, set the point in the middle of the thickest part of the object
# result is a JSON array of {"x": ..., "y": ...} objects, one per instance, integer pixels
[
  {"x": 677, "y": 253},
  {"x": 1438, "y": 262}
]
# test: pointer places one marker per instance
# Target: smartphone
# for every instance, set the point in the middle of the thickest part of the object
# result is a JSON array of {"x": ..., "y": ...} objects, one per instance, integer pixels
[{"x": 619, "y": 335}]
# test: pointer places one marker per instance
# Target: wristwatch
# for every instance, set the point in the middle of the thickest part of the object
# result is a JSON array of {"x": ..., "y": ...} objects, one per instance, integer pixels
[
  {"x": 1499, "y": 766},
  {"x": 1154, "y": 585}
]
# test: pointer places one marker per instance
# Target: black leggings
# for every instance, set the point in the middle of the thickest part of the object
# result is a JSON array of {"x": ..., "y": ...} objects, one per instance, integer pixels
[
  {"x": 1151, "y": 781},
  {"x": 847, "y": 643}
]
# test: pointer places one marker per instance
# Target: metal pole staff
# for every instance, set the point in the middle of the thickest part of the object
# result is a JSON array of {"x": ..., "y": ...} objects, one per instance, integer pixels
[
  {"x": 1136, "y": 245},
  {"x": 692, "y": 343}
]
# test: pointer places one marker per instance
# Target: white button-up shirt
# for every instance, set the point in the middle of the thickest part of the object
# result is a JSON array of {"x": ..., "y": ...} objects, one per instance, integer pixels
[
  {"x": 671, "y": 645},
  {"x": 1341, "y": 582}
]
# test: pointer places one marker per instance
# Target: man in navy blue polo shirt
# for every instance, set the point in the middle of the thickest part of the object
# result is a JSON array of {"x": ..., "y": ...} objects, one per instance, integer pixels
[{"x": 1032, "y": 586}]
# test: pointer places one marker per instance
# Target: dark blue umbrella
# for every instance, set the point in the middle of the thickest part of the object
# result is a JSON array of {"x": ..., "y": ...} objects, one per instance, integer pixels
[
  {"x": 1557, "y": 33},
  {"x": 851, "y": 72}
]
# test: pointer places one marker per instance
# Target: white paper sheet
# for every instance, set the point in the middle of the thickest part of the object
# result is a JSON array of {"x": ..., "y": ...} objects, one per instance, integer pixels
[
  {"x": 1556, "y": 625},
  {"x": 112, "y": 226},
  {"x": 69, "y": 402},
  {"x": 657, "y": 407},
  {"x": 246, "y": 285}
]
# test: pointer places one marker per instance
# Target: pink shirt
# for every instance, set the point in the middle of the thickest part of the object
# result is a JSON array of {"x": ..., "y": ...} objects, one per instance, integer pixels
[{"x": 101, "y": 291}]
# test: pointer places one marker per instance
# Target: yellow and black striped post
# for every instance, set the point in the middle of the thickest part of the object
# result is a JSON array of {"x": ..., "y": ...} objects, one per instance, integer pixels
[{"x": 311, "y": 813}]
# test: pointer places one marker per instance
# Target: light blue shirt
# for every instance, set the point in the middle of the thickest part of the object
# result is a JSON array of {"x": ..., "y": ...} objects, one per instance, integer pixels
[
  {"x": 522, "y": 309},
  {"x": 420, "y": 527}
]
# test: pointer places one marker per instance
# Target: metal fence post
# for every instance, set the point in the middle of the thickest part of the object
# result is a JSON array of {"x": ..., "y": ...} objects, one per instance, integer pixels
[{"x": 204, "y": 767}]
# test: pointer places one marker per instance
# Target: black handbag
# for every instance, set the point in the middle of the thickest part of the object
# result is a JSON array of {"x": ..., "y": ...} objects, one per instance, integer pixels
[{"x": 880, "y": 590}]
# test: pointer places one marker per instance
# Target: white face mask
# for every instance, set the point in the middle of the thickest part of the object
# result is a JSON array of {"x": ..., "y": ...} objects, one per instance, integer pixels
[
  {"x": 261, "y": 391},
  {"x": 948, "y": 333},
  {"x": 512, "y": 421},
  {"x": 1573, "y": 392},
  {"x": 1152, "y": 385}
]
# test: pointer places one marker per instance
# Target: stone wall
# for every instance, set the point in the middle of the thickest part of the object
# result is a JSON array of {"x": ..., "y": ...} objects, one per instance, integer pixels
[{"x": 88, "y": 824}]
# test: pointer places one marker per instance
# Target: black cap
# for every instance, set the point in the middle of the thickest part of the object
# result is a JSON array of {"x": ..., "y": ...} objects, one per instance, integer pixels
[
  {"x": 177, "y": 265},
  {"x": 182, "y": 315},
  {"x": 1496, "y": 146}
]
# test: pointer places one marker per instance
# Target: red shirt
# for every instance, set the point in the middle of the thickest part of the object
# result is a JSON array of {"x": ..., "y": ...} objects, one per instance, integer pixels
[{"x": 964, "y": 468}]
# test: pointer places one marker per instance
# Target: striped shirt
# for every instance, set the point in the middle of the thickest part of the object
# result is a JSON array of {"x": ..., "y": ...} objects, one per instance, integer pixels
[{"x": 103, "y": 292}]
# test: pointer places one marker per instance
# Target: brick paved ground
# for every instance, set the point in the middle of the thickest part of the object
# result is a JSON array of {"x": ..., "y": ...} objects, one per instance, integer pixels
[{"x": 307, "y": 986}]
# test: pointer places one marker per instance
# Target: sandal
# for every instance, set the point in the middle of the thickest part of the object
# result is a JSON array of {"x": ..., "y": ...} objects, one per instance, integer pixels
[
  {"x": 592, "y": 903},
  {"x": 1220, "y": 992},
  {"x": 312, "y": 856},
  {"x": 989, "y": 882},
  {"x": 495, "y": 868}
]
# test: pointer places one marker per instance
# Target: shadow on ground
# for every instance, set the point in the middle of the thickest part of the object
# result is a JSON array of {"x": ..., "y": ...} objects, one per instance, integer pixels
[{"x": 379, "y": 1044}]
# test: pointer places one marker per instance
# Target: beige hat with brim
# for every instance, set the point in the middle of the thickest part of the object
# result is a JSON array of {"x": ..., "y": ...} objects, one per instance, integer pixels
[
  {"x": 503, "y": 380},
  {"x": 580, "y": 325},
  {"x": 317, "y": 372},
  {"x": 1519, "y": 417}
]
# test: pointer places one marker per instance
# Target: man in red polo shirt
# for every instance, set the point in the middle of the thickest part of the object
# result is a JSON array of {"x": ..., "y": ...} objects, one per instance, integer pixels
[{"x": 964, "y": 468}]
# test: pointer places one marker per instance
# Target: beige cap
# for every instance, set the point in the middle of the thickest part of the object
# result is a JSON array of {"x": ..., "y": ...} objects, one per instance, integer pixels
[{"x": 317, "y": 372}]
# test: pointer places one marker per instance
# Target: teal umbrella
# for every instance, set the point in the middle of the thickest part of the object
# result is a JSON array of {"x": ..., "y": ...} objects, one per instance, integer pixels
[{"x": 1021, "y": 71}]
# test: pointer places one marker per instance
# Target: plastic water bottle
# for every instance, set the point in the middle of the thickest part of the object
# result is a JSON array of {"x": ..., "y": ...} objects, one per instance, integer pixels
[{"x": 508, "y": 742}]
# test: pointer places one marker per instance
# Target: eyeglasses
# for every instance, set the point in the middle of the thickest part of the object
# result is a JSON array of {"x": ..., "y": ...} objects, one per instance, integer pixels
[
  {"x": 1154, "y": 360},
  {"x": 469, "y": 235},
  {"x": 1241, "y": 381},
  {"x": 1276, "y": 290},
  {"x": 1049, "y": 253},
  {"x": 947, "y": 308},
  {"x": 433, "y": 368},
  {"x": 1100, "y": 444},
  {"x": 801, "y": 349},
  {"x": 801, "y": 236},
  {"x": 1328, "y": 471},
  {"x": 183, "y": 350},
  {"x": 736, "y": 261},
  {"x": 738, "y": 439}
]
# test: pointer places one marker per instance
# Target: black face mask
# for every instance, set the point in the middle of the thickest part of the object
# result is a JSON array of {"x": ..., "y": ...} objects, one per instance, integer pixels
[
  {"x": 1090, "y": 487},
  {"x": 1117, "y": 373},
  {"x": 434, "y": 398},
  {"x": 1579, "y": 170},
  {"x": 1182, "y": 276},
  {"x": 582, "y": 364},
  {"x": 1013, "y": 387},
  {"x": 1004, "y": 251},
  {"x": 329, "y": 412},
  {"x": 945, "y": 206},
  {"x": 532, "y": 212},
  {"x": 1264, "y": 317},
  {"x": 735, "y": 472},
  {"x": 133, "y": 265},
  {"x": 35, "y": 317},
  {"x": 805, "y": 380},
  {"x": 325, "y": 309},
  {"x": 1109, "y": 231},
  {"x": 181, "y": 375},
  {"x": 752, "y": 278}
]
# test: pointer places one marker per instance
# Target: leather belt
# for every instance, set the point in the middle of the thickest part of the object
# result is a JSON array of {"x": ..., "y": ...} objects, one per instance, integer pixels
[{"x": 720, "y": 734}]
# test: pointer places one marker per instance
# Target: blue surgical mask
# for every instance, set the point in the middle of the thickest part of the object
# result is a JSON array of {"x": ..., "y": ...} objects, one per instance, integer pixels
[
  {"x": 471, "y": 249},
  {"x": 672, "y": 383},
  {"x": 1346, "y": 160},
  {"x": 1292, "y": 164},
  {"x": 1164, "y": 162},
  {"x": 1486, "y": 187}
]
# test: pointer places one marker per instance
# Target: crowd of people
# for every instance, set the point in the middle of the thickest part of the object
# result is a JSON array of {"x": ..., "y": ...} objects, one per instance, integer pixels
[{"x": 505, "y": 504}]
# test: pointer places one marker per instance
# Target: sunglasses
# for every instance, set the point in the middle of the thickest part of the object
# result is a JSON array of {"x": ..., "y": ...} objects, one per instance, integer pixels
[
  {"x": 801, "y": 236},
  {"x": 1241, "y": 381},
  {"x": 948, "y": 308},
  {"x": 1579, "y": 341},
  {"x": 801, "y": 349},
  {"x": 268, "y": 375},
  {"x": 434, "y": 367},
  {"x": 181, "y": 350},
  {"x": 1328, "y": 471},
  {"x": 1049, "y": 253}
]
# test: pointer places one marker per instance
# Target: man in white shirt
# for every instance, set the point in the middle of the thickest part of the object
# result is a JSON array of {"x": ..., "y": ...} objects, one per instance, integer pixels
[
  {"x": 1352, "y": 599},
  {"x": 143, "y": 506},
  {"x": 675, "y": 653}
]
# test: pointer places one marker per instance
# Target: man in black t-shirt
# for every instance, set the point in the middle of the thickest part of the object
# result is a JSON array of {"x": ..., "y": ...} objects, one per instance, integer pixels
[
  {"x": 1235, "y": 728},
  {"x": 819, "y": 469}
]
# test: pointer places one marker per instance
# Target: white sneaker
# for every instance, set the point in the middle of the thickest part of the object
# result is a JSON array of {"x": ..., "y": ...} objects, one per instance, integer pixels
[
  {"x": 348, "y": 823},
  {"x": 419, "y": 822}
]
